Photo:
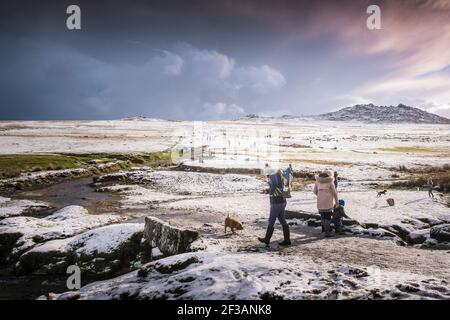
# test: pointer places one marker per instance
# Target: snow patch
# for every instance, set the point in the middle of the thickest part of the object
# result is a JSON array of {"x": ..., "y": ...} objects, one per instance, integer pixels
[
  {"x": 12, "y": 208},
  {"x": 206, "y": 275},
  {"x": 62, "y": 224}
]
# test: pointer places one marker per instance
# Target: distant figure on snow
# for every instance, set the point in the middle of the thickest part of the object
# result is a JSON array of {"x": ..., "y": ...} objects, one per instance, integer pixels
[
  {"x": 430, "y": 187},
  {"x": 288, "y": 175}
]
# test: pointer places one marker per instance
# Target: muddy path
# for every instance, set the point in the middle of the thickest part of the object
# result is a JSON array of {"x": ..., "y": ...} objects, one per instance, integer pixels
[{"x": 309, "y": 242}]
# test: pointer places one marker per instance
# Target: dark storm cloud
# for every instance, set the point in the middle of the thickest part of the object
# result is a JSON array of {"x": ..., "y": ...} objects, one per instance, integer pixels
[
  {"x": 216, "y": 59},
  {"x": 129, "y": 59}
]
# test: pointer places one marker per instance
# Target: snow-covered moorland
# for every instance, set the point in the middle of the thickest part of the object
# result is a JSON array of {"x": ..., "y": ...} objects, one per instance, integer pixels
[
  {"x": 384, "y": 254},
  {"x": 256, "y": 276}
]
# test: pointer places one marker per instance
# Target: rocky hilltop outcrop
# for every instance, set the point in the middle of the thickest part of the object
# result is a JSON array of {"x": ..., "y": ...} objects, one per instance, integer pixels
[{"x": 383, "y": 114}]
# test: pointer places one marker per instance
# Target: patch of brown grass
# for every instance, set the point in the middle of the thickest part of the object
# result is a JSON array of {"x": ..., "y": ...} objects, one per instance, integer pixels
[{"x": 324, "y": 162}]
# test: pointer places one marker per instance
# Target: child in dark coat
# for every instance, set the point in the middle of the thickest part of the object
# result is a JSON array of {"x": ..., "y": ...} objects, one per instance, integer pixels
[{"x": 338, "y": 215}]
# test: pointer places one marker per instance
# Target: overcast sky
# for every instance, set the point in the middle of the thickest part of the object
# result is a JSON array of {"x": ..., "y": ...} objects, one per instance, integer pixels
[{"x": 220, "y": 59}]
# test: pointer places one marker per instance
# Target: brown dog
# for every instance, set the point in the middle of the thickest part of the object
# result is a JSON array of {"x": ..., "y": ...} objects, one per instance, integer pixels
[{"x": 232, "y": 224}]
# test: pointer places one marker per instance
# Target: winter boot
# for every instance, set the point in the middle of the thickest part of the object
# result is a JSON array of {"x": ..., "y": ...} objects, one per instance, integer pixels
[
  {"x": 266, "y": 239},
  {"x": 286, "y": 234}
]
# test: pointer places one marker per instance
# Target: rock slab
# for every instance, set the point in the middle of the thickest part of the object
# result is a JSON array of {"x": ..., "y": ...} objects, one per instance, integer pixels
[{"x": 169, "y": 239}]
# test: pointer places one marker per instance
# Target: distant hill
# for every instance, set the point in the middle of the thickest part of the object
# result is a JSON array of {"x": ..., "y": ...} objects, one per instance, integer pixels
[
  {"x": 141, "y": 118},
  {"x": 368, "y": 113},
  {"x": 381, "y": 114}
]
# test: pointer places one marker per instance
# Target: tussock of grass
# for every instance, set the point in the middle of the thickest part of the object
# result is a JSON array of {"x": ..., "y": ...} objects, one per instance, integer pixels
[{"x": 12, "y": 165}]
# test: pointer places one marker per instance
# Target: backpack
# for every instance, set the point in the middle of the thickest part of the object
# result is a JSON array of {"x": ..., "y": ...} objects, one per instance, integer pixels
[{"x": 284, "y": 190}]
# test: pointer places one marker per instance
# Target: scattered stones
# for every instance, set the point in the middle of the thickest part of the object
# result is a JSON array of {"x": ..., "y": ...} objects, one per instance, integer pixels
[{"x": 430, "y": 221}]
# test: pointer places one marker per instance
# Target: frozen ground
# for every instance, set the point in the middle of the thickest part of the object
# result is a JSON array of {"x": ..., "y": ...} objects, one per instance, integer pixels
[
  {"x": 256, "y": 276},
  {"x": 239, "y": 195},
  {"x": 192, "y": 183},
  {"x": 367, "y": 262},
  {"x": 87, "y": 136},
  {"x": 242, "y": 141}
]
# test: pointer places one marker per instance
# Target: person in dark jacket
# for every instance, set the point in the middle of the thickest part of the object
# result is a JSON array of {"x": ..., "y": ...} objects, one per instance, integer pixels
[{"x": 277, "y": 209}]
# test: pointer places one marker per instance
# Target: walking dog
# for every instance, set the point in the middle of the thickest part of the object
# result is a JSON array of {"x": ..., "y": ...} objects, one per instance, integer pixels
[
  {"x": 232, "y": 224},
  {"x": 380, "y": 193}
]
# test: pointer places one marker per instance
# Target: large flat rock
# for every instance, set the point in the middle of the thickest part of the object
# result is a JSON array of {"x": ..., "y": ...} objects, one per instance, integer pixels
[
  {"x": 19, "y": 234},
  {"x": 98, "y": 252}
]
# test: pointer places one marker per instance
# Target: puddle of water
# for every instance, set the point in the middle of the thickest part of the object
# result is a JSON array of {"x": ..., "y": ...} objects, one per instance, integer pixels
[{"x": 75, "y": 192}]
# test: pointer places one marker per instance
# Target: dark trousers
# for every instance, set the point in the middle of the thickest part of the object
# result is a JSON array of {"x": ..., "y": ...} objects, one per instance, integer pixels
[
  {"x": 324, "y": 215},
  {"x": 277, "y": 212}
]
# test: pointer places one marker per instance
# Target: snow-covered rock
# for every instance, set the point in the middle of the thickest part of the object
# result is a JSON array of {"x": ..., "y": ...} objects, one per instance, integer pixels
[
  {"x": 419, "y": 236},
  {"x": 169, "y": 239},
  {"x": 18, "y": 234},
  {"x": 376, "y": 114},
  {"x": 206, "y": 275},
  {"x": 97, "y": 252},
  {"x": 68, "y": 213},
  {"x": 12, "y": 207},
  {"x": 441, "y": 233}
]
